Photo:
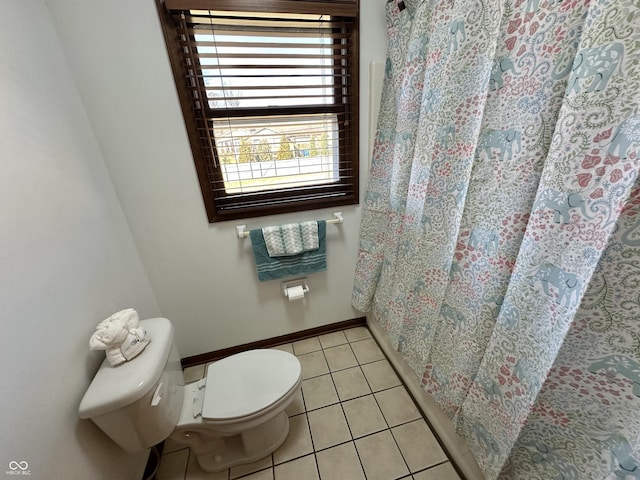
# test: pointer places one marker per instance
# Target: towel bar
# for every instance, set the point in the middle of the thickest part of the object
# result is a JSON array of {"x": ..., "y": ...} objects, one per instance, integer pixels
[{"x": 242, "y": 232}]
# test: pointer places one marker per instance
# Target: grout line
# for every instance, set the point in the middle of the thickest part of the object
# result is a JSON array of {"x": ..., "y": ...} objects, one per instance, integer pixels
[
  {"x": 313, "y": 445},
  {"x": 315, "y": 458},
  {"x": 400, "y": 450},
  {"x": 186, "y": 467},
  {"x": 304, "y": 402},
  {"x": 433, "y": 466},
  {"x": 353, "y": 440}
]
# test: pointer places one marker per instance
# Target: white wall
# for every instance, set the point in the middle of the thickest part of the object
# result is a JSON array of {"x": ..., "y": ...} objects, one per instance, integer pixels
[
  {"x": 202, "y": 275},
  {"x": 67, "y": 259}
]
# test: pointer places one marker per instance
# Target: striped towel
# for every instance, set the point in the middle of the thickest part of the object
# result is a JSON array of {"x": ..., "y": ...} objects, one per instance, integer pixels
[
  {"x": 273, "y": 268},
  {"x": 291, "y": 239}
]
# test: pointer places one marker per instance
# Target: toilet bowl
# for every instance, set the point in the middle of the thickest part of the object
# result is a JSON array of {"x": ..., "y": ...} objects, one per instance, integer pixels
[
  {"x": 241, "y": 418},
  {"x": 235, "y": 415}
]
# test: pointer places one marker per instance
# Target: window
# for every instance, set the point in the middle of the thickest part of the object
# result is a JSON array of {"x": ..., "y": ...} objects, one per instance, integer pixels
[{"x": 269, "y": 93}]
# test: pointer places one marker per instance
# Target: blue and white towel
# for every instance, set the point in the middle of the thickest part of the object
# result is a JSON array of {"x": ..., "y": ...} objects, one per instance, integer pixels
[
  {"x": 291, "y": 239},
  {"x": 273, "y": 268}
]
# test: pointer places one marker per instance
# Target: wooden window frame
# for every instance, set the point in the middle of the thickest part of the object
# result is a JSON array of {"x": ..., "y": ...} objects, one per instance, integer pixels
[{"x": 221, "y": 206}]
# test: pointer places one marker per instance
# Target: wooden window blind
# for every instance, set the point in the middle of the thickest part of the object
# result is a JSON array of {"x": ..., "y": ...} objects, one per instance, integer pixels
[{"x": 269, "y": 92}]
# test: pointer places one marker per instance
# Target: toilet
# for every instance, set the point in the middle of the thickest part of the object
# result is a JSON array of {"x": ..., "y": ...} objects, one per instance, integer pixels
[{"x": 236, "y": 414}]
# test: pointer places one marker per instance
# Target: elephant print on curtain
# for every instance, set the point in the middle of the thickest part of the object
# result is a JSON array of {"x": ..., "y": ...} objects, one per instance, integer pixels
[
  {"x": 503, "y": 141},
  {"x": 497, "y": 246},
  {"x": 627, "y": 134},
  {"x": 561, "y": 203},
  {"x": 593, "y": 66},
  {"x": 500, "y": 67},
  {"x": 567, "y": 285}
]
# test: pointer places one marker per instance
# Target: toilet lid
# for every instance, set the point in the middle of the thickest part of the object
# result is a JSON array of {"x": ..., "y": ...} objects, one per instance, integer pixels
[{"x": 245, "y": 383}]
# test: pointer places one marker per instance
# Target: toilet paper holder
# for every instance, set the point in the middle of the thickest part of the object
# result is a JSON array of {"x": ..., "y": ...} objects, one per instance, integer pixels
[{"x": 298, "y": 282}]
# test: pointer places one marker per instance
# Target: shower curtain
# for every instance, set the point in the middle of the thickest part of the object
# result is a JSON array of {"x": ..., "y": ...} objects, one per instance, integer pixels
[{"x": 499, "y": 245}]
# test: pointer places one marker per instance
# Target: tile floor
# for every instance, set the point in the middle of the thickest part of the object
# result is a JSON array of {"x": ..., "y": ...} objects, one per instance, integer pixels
[{"x": 353, "y": 420}]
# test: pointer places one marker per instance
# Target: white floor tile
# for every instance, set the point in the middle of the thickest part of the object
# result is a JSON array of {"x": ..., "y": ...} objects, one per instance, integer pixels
[
  {"x": 380, "y": 457},
  {"x": 340, "y": 357},
  {"x": 299, "y": 469},
  {"x": 397, "y": 406},
  {"x": 380, "y": 375},
  {"x": 440, "y": 472},
  {"x": 332, "y": 339},
  {"x": 319, "y": 392},
  {"x": 350, "y": 383},
  {"x": 173, "y": 466},
  {"x": 313, "y": 364},
  {"x": 363, "y": 416},
  {"x": 367, "y": 351},
  {"x": 341, "y": 462},
  {"x": 328, "y": 427},
  {"x": 357, "y": 333},
  {"x": 418, "y": 445},
  {"x": 307, "y": 345},
  {"x": 261, "y": 475}
]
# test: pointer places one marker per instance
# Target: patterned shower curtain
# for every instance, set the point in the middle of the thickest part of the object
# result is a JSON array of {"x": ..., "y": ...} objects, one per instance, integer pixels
[{"x": 499, "y": 245}]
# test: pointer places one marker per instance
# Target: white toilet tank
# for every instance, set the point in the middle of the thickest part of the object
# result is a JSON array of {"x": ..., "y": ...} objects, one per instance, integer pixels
[{"x": 138, "y": 403}]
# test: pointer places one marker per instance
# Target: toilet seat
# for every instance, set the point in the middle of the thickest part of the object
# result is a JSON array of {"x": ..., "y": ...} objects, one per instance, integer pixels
[{"x": 249, "y": 383}]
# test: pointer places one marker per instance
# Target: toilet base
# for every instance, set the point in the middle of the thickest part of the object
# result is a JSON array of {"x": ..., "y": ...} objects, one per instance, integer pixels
[{"x": 246, "y": 447}]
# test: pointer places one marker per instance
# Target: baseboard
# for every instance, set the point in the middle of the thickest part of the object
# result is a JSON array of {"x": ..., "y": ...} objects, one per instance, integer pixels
[{"x": 272, "y": 342}]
